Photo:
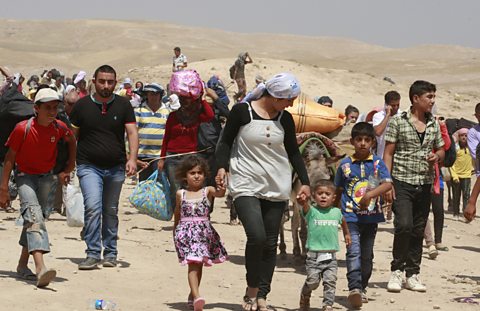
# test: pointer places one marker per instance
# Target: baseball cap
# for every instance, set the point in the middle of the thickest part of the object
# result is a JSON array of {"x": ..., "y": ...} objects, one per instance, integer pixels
[{"x": 46, "y": 95}]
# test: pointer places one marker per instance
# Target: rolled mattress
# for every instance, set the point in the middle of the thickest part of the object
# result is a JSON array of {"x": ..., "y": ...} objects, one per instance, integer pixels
[{"x": 310, "y": 116}]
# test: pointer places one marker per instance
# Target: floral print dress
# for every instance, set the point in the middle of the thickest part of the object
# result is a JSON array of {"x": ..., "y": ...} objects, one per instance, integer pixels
[{"x": 196, "y": 241}]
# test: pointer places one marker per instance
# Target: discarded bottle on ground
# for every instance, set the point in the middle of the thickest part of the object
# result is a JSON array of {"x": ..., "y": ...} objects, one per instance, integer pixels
[{"x": 100, "y": 304}]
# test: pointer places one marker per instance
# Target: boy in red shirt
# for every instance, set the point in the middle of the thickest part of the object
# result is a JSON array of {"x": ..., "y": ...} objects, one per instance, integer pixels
[{"x": 33, "y": 148}]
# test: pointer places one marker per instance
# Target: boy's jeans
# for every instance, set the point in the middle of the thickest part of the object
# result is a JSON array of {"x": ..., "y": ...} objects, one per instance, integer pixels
[
  {"x": 360, "y": 254},
  {"x": 101, "y": 192},
  {"x": 318, "y": 270},
  {"x": 37, "y": 193}
]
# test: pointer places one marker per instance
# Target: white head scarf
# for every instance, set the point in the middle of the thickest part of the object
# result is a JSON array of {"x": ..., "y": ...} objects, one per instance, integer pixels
[{"x": 282, "y": 85}]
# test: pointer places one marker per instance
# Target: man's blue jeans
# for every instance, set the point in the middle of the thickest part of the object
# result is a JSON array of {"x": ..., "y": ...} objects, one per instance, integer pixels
[
  {"x": 101, "y": 192},
  {"x": 37, "y": 193},
  {"x": 360, "y": 254}
]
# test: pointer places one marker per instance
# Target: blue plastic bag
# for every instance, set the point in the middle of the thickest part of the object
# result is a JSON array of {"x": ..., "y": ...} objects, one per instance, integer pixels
[{"x": 152, "y": 197}]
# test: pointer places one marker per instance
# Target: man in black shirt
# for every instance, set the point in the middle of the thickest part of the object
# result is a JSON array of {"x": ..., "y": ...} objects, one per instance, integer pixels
[{"x": 100, "y": 121}]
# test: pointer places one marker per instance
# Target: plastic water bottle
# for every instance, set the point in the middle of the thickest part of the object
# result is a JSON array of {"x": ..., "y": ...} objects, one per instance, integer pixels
[
  {"x": 100, "y": 304},
  {"x": 373, "y": 182}
]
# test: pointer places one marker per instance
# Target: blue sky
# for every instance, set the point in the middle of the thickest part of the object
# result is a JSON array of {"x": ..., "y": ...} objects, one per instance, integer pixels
[{"x": 402, "y": 23}]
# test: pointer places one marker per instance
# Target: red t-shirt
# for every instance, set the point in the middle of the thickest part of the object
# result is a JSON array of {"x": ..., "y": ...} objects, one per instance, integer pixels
[
  {"x": 37, "y": 152},
  {"x": 180, "y": 139}
]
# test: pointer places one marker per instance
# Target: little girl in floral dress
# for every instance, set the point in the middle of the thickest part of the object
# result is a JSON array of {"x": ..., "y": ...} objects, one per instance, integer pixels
[{"x": 196, "y": 241}]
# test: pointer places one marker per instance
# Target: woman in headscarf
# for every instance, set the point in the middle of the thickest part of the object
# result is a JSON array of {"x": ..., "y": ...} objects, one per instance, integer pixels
[
  {"x": 257, "y": 148},
  {"x": 181, "y": 129}
]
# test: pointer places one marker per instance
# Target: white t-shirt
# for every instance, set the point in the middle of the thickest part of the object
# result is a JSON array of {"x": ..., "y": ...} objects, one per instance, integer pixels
[
  {"x": 179, "y": 61},
  {"x": 376, "y": 120}
]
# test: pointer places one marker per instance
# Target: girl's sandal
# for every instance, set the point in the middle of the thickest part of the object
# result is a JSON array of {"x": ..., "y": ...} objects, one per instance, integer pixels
[{"x": 190, "y": 302}]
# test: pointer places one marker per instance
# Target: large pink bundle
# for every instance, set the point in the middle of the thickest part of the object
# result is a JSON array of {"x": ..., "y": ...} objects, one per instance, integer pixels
[{"x": 186, "y": 83}]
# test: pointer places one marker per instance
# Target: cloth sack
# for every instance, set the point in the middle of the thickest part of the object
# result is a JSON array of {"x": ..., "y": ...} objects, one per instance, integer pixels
[{"x": 151, "y": 197}]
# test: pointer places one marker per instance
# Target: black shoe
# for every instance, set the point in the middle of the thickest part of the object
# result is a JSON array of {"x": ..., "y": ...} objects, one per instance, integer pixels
[
  {"x": 89, "y": 264},
  {"x": 109, "y": 262}
]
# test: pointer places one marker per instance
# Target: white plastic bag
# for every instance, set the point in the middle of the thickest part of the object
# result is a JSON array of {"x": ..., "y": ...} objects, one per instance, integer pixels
[{"x": 73, "y": 200}]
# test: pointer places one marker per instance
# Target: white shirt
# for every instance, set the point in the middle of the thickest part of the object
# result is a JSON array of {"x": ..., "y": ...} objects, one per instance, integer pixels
[
  {"x": 179, "y": 61},
  {"x": 376, "y": 120}
]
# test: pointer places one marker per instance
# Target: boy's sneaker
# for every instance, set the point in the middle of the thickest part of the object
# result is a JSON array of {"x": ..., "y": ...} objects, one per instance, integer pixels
[
  {"x": 414, "y": 283},
  {"x": 327, "y": 308},
  {"x": 432, "y": 252},
  {"x": 395, "y": 283},
  {"x": 89, "y": 264},
  {"x": 109, "y": 262},
  {"x": 304, "y": 302},
  {"x": 364, "y": 296},
  {"x": 355, "y": 298}
]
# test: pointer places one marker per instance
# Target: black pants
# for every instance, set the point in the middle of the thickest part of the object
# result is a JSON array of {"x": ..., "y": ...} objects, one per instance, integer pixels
[
  {"x": 152, "y": 167},
  {"x": 460, "y": 189},
  {"x": 261, "y": 221},
  {"x": 411, "y": 208},
  {"x": 438, "y": 216}
]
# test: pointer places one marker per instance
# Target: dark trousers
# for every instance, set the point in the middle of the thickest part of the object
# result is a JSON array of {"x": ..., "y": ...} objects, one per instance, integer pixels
[
  {"x": 170, "y": 168},
  {"x": 411, "y": 208},
  {"x": 261, "y": 221},
  {"x": 438, "y": 215},
  {"x": 360, "y": 254},
  {"x": 144, "y": 174},
  {"x": 460, "y": 189}
]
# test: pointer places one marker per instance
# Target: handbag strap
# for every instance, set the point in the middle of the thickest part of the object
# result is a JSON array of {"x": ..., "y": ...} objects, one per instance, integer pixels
[{"x": 154, "y": 175}]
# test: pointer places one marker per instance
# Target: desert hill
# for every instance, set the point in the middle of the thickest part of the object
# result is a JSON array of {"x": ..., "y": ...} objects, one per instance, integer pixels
[{"x": 350, "y": 71}]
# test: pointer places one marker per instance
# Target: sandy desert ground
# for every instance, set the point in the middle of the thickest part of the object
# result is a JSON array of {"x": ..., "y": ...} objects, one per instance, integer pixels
[{"x": 149, "y": 276}]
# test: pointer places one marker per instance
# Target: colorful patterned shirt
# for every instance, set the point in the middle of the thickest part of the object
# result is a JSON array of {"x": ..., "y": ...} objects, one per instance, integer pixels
[{"x": 410, "y": 156}]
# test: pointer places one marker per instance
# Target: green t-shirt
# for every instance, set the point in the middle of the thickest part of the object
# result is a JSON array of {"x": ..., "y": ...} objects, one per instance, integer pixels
[{"x": 322, "y": 224}]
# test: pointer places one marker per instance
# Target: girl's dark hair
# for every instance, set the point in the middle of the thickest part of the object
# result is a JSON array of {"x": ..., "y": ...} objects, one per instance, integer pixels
[
  {"x": 351, "y": 109},
  {"x": 188, "y": 163}
]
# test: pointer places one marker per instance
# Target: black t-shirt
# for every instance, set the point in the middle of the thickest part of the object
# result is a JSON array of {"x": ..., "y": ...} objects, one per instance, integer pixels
[{"x": 102, "y": 136}]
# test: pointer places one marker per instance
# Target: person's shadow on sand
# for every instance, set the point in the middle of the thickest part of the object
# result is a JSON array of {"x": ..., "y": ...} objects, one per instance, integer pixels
[
  {"x": 4, "y": 274},
  {"x": 220, "y": 306},
  {"x": 121, "y": 263}
]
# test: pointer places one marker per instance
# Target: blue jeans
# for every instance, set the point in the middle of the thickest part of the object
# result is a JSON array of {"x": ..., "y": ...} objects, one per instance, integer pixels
[
  {"x": 360, "y": 254},
  {"x": 37, "y": 193},
  {"x": 101, "y": 192}
]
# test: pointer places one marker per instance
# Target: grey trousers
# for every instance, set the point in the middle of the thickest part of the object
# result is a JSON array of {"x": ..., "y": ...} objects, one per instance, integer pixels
[{"x": 318, "y": 270}]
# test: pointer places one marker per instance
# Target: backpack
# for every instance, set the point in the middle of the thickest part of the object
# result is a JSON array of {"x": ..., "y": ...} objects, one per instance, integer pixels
[
  {"x": 232, "y": 72},
  {"x": 62, "y": 148},
  {"x": 450, "y": 154},
  {"x": 14, "y": 108}
]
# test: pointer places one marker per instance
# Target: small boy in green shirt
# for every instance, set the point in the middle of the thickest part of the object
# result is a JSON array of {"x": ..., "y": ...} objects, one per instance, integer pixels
[{"x": 322, "y": 244}]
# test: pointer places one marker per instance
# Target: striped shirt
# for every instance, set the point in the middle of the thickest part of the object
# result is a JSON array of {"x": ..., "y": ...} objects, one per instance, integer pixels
[
  {"x": 151, "y": 128},
  {"x": 410, "y": 158}
]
